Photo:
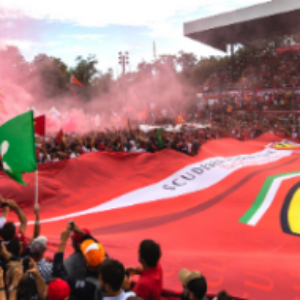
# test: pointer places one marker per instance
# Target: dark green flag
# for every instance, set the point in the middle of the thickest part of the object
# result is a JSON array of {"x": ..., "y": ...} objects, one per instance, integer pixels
[{"x": 159, "y": 136}]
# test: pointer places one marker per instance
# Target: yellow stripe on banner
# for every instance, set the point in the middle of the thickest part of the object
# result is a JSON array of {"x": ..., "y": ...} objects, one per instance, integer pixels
[{"x": 294, "y": 213}]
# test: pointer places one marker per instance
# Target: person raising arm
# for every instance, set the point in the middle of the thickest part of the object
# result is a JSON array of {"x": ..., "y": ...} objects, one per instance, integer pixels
[
  {"x": 13, "y": 287},
  {"x": 40, "y": 283},
  {"x": 2, "y": 286},
  {"x": 5, "y": 211},
  {"x": 9, "y": 230},
  {"x": 21, "y": 216}
]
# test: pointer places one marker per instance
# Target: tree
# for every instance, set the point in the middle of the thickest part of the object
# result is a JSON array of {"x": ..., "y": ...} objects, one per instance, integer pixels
[
  {"x": 145, "y": 68},
  {"x": 187, "y": 61},
  {"x": 52, "y": 73},
  {"x": 204, "y": 69},
  {"x": 102, "y": 84},
  {"x": 85, "y": 70},
  {"x": 169, "y": 60}
]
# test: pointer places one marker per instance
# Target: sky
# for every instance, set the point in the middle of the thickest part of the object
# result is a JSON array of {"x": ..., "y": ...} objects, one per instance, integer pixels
[{"x": 69, "y": 28}]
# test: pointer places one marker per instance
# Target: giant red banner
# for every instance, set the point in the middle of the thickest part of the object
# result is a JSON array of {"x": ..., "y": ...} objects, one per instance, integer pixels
[{"x": 231, "y": 212}]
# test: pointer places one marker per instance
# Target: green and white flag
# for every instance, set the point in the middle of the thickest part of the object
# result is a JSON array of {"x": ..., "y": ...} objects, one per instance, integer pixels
[{"x": 17, "y": 146}]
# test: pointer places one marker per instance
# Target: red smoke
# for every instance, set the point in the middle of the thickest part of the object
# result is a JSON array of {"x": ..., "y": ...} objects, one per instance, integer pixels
[{"x": 24, "y": 91}]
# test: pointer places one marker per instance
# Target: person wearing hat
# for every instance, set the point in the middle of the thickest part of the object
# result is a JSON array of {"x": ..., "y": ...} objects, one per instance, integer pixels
[
  {"x": 92, "y": 251},
  {"x": 37, "y": 250},
  {"x": 75, "y": 264},
  {"x": 57, "y": 289},
  {"x": 94, "y": 254},
  {"x": 194, "y": 284}
]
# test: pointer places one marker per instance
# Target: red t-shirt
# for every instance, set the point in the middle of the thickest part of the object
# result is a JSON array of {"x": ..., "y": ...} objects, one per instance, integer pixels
[
  {"x": 149, "y": 285},
  {"x": 22, "y": 241}
]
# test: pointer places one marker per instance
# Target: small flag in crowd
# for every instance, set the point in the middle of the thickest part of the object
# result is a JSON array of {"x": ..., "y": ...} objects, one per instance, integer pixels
[
  {"x": 75, "y": 81},
  {"x": 60, "y": 138},
  {"x": 180, "y": 119},
  {"x": 40, "y": 125},
  {"x": 17, "y": 146},
  {"x": 229, "y": 109},
  {"x": 159, "y": 136}
]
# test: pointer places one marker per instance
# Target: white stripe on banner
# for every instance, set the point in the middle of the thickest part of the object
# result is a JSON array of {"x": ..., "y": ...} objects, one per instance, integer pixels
[
  {"x": 269, "y": 199},
  {"x": 190, "y": 179}
]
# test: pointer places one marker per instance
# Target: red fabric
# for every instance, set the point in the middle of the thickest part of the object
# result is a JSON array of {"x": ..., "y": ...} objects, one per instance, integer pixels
[
  {"x": 75, "y": 81},
  {"x": 287, "y": 48},
  {"x": 149, "y": 285},
  {"x": 60, "y": 138},
  {"x": 180, "y": 119},
  {"x": 22, "y": 241},
  {"x": 40, "y": 125},
  {"x": 199, "y": 230},
  {"x": 78, "y": 238}
]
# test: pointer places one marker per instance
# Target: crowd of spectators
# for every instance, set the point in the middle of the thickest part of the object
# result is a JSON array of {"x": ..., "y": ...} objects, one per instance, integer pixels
[
  {"x": 257, "y": 71},
  {"x": 27, "y": 272},
  {"x": 261, "y": 82},
  {"x": 188, "y": 141},
  {"x": 134, "y": 141}
]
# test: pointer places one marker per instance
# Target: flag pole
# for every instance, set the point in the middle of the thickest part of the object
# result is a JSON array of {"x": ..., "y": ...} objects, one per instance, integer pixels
[{"x": 36, "y": 198}]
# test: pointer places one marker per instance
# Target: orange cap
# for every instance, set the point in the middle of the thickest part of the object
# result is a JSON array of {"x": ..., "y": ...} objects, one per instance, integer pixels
[{"x": 93, "y": 252}]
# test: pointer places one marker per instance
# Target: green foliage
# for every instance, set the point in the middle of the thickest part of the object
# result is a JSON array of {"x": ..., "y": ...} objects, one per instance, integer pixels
[
  {"x": 103, "y": 83},
  {"x": 53, "y": 75},
  {"x": 50, "y": 76},
  {"x": 85, "y": 70}
]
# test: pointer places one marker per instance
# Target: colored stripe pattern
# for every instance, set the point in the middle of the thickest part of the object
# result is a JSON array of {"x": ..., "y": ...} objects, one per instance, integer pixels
[{"x": 265, "y": 198}]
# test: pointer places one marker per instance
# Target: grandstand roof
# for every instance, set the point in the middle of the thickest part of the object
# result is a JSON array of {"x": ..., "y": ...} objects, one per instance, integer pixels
[{"x": 278, "y": 17}]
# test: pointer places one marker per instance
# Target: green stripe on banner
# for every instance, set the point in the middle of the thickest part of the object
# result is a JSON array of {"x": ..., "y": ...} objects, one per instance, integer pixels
[{"x": 261, "y": 196}]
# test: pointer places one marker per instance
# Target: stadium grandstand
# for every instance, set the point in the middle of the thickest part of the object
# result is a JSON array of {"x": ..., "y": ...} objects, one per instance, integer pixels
[
  {"x": 263, "y": 79},
  {"x": 243, "y": 26}
]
